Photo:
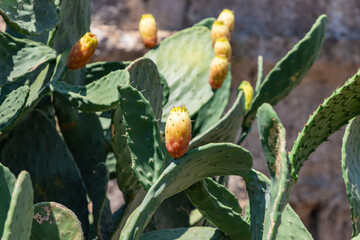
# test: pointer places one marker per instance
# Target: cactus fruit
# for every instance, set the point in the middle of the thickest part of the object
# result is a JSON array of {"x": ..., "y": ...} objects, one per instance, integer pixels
[
  {"x": 222, "y": 47},
  {"x": 81, "y": 53},
  {"x": 248, "y": 90},
  {"x": 148, "y": 30},
  {"x": 218, "y": 70},
  {"x": 178, "y": 132},
  {"x": 228, "y": 17},
  {"x": 219, "y": 30}
]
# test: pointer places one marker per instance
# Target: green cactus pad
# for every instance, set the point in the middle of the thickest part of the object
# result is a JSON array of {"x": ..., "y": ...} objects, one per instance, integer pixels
[
  {"x": 351, "y": 168},
  {"x": 21, "y": 56},
  {"x": 212, "y": 111},
  {"x": 39, "y": 88},
  {"x": 100, "y": 95},
  {"x": 111, "y": 164},
  {"x": 198, "y": 233},
  {"x": 200, "y": 163},
  {"x": 143, "y": 136},
  {"x": 328, "y": 118},
  {"x": 144, "y": 76},
  {"x": 49, "y": 162},
  {"x": 7, "y": 181},
  {"x": 273, "y": 139},
  {"x": 290, "y": 70},
  {"x": 19, "y": 217},
  {"x": 186, "y": 68},
  {"x": 95, "y": 71},
  {"x": 30, "y": 17},
  {"x": 126, "y": 178},
  {"x": 87, "y": 147},
  {"x": 207, "y": 22},
  {"x": 74, "y": 23},
  {"x": 291, "y": 227},
  {"x": 226, "y": 128},
  {"x": 55, "y": 221},
  {"x": 218, "y": 205},
  {"x": 107, "y": 221},
  {"x": 11, "y": 106}
]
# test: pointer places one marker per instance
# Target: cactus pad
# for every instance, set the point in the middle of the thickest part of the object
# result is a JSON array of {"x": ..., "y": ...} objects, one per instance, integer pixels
[
  {"x": 30, "y": 17},
  {"x": 55, "y": 221},
  {"x": 100, "y": 95},
  {"x": 19, "y": 217},
  {"x": 143, "y": 136},
  {"x": 200, "y": 163},
  {"x": 21, "y": 56},
  {"x": 290, "y": 70},
  {"x": 218, "y": 205},
  {"x": 49, "y": 162},
  {"x": 351, "y": 168},
  {"x": 144, "y": 76},
  {"x": 11, "y": 106},
  {"x": 7, "y": 181},
  {"x": 328, "y": 118},
  {"x": 291, "y": 227},
  {"x": 126, "y": 179},
  {"x": 273, "y": 139},
  {"x": 186, "y": 68},
  {"x": 198, "y": 233}
]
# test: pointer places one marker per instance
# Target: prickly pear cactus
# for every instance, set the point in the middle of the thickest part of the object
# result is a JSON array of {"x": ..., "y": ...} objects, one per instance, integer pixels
[
  {"x": 30, "y": 17},
  {"x": 350, "y": 164},
  {"x": 55, "y": 221},
  {"x": 214, "y": 159},
  {"x": 7, "y": 181},
  {"x": 19, "y": 216},
  {"x": 290, "y": 70}
]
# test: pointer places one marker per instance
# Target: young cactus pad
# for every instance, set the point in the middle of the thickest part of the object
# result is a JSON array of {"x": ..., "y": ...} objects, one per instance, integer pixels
[{"x": 177, "y": 132}]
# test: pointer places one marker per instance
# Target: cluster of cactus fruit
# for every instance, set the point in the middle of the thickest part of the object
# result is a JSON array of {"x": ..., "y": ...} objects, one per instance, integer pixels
[{"x": 68, "y": 126}]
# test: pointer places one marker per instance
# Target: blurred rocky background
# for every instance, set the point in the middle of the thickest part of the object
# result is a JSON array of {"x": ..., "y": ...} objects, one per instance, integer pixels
[{"x": 268, "y": 28}]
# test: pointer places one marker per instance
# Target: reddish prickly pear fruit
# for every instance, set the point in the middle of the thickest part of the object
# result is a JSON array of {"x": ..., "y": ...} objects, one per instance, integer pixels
[
  {"x": 148, "y": 30},
  {"x": 218, "y": 70},
  {"x": 81, "y": 53},
  {"x": 222, "y": 47},
  {"x": 228, "y": 17},
  {"x": 177, "y": 132},
  {"x": 219, "y": 30},
  {"x": 248, "y": 90}
]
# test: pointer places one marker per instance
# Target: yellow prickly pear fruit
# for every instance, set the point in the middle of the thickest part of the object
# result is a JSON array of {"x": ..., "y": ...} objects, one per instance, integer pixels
[
  {"x": 81, "y": 53},
  {"x": 228, "y": 17},
  {"x": 222, "y": 47},
  {"x": 218, "y": 70},
  {"x": 177, "y": 132},
  {"x": 248, "y": 90},
  {"x": 219, "y": 30},
  {"x": 148, "y": 30}
]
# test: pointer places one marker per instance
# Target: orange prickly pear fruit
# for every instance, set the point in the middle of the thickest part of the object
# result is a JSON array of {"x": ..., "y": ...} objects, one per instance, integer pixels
[
  {"x": 222, "y": 47},
  {"x": 228, "y": 17},
  {"x": 218, "y": 70},
  {"x": 177, "y": 132},
  {"x": 248, "y": 90},
  {"x": 219, "y": 30},
  {"x": 81, "y": 53},
  {"x": 148, "y": 30}
]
